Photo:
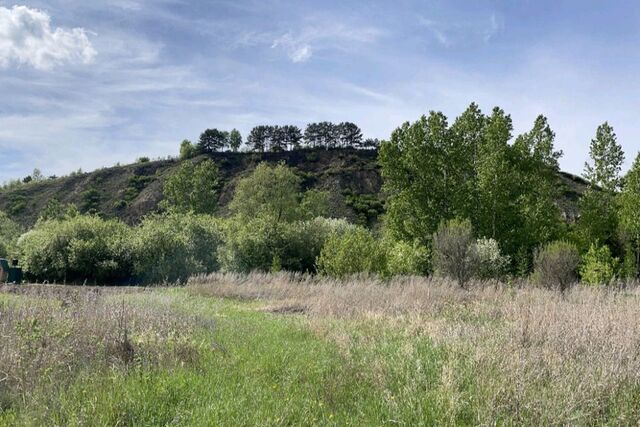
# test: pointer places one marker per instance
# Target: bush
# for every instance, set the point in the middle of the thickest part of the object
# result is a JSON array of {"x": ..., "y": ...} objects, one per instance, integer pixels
[
  {"x": 9, "y": 233},
  {"x": 192, "y": 188},
  {"x": 491, "y": 263},
  {"x": 77, "y": 249},
  {"x": 261, "y": 244},
  {"x": 355, "y": 251},
  {"x": 599, "y": 267},
  {"x": 556, "y": 264},
  {"x": 171, "y": 248},
  {"x": 454, "y": 251},
  {"x": 404, "y": 258}
]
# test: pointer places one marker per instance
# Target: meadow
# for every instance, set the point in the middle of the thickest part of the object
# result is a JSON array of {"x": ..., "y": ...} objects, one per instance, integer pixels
[{"x": 291, "y": 349}]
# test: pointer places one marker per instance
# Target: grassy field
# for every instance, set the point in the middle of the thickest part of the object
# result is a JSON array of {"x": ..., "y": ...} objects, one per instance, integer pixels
[{"x": 290, "y": 350}]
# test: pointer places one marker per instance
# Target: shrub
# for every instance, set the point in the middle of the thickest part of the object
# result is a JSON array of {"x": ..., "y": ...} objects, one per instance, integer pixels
[
  {"x": 556, "y": 265},
  {"x": 77, "y": 249},
  {"x": 261, "y": 244},
  {"x": 9, "y": 233},
  {"x": 454, "y": 251},
  {"x": 599, "y": 267},
  {"x": 491, "y": 263},
  {"x": 170, "y": 248},
  {"x": 355, "y": 251},
  {"x": 404, "y": 258}
]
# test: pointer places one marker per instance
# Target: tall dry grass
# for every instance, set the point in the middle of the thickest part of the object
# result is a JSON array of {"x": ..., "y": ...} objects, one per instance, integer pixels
[
  {"x": 534, "y": 354},
  {"x": 50, "y": 334}
]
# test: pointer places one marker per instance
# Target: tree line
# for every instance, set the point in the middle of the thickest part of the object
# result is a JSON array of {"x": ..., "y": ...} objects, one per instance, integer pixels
[
  {"x": 465, "y": 200},
  {"x": 274, "y": 138},
  {"x": 508, "y": 189}
]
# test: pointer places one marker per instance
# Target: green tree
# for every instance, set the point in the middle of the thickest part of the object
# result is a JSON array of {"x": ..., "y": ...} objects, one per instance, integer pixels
[
  {"x": 497, "y": 195},
  {"x": 423, "y": 175},
  {"x": 598, "y": 216},
  {"x": 235, "y": 140},
  {"x": 467, "y": 133},
  {"x": 629, "y": 216},
  {"x": 271, "y": 192},
  {"x": 193, "y": 188},
  {"x": 292, "y": 136},
  {"x": 350, "y": 134},
  {"x": 539, "y": 189},
  {"x": 258, "y": 138},
  {"x": 212, "y": 140},
  {"x": 607, "y": 157},
  {"x": 187, "y": 150}
]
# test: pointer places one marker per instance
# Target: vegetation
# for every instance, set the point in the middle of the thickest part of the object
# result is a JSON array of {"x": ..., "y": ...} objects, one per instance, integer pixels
[
  {"x": 193, "y": 188},
  {"x": 416, "y": 351},
  {"x": 466, "y": 201},
  {"x": 556, "y": 265}
]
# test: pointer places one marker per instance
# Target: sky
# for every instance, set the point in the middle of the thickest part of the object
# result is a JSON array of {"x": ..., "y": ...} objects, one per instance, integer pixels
[{"x": 86, "y": 84}]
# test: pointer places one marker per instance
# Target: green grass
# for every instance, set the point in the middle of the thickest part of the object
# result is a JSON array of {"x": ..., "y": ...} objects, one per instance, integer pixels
[{"x": 264, "y": 369}]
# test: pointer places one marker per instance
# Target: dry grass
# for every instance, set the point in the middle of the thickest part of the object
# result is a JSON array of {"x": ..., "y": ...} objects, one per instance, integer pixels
[
  {"x": 50, "y": 334},
  {"x": 532, "y": 353}
]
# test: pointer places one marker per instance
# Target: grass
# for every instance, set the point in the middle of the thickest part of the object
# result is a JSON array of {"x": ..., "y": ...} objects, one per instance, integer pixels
[{"x": 292, "y": 350}]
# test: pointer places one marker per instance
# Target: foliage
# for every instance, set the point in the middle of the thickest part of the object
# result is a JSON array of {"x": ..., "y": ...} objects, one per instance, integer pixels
[
  {"x": 259, "y": 244},
  {"x": 599, "y": 267},
  {"x": 75, "y": 249},
  {"x": 556, "y": 265},
  {"x": 607, "y": 158},
  {"x": 454, "y": 251},
  {"x": 355, "y": 251},
  {"x": 491, "y": 263},
  {"x": 629, "y": 218},
  {"x": 55, "y": 210},
  {"x": 212, "y": 140},
  {"x": 270, "y": 192},
  {"x": 403, "y": 258},
  {"x": 9, "y": 233},
  {"x": 235, "y": 140},
  {"x": 91, "y": 201},
  {"x": 598, "y": 223},
  {"x": 187, "y": 150},
  {"x": 367, "y": 207},
  {"x": 172, "y": 247},
  {"x": 537, "y": 170},
  {"x": 315, "y": 203},
  {"x": 193, "y": 188},
  {"x": 434, "y": 172}
]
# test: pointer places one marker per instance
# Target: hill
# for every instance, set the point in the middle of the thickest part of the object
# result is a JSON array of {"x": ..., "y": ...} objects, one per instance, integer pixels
[{"x": 132, "y": 191}]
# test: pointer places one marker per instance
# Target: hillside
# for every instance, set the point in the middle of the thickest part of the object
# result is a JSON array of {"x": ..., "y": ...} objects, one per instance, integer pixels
[{"x": 130, "y": 192}]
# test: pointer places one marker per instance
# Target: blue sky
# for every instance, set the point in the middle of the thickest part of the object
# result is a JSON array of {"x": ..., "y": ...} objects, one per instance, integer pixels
[{"x": 86, "y": 84}]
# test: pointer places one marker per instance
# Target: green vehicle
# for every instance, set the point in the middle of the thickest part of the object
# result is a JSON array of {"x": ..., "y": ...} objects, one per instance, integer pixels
[{"x": 10, "y": 273}]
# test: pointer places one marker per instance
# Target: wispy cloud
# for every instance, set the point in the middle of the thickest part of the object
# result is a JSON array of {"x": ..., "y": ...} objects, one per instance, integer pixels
[
  {"x": 27, "y": 38},
  {"x": 461, "y": 32},
  {"x": 300, "y": 46}
]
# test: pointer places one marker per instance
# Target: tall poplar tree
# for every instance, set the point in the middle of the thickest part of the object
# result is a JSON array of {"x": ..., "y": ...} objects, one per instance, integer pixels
[
  {"x": 538, "y": 184},
  {"x": 629, "y": 213},
  {"x": 598, "y": 217}
]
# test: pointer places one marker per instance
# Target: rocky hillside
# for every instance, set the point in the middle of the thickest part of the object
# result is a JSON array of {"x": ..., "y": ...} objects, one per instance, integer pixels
[{"x": 133, "y": 191}]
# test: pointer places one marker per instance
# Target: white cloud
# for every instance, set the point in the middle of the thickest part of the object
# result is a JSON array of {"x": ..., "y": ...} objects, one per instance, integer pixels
[
  {"x": 27, "y": 38},
  {"x": 300, "y": 47}
]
